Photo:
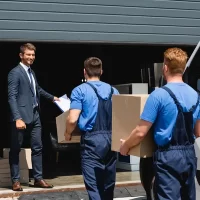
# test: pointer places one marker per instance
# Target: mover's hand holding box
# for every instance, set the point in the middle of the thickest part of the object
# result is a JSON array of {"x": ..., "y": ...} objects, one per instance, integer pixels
[
  {"x": 64, "y": 105},
  {"x": 126, "y": 111}
]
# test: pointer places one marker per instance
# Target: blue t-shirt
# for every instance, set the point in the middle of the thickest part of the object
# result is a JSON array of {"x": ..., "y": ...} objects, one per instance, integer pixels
[
  {"x": 161, "y": 110},
  {"x": 85, "y": 99}
]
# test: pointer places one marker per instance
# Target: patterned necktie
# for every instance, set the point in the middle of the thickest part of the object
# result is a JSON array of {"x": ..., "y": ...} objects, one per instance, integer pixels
[{"x": 32, "y": 87}]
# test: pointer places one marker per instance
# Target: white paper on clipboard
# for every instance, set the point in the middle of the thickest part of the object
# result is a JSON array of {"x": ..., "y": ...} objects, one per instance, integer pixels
[{"x": 64, "y": 103}]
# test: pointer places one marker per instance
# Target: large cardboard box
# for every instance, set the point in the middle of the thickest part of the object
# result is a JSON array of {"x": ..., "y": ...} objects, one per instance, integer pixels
[
  {"x": 25, "y": 161},
  {"x": 126, "y": 111},
  {"x": 61, "y": 127}
]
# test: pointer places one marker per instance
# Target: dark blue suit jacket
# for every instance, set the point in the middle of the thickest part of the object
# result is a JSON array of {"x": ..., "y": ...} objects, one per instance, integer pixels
[{"x": 21, "y": 96}]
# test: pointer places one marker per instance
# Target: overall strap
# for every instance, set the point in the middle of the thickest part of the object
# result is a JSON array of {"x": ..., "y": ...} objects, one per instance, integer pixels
[
  {"x": 95, "y": 90},
  {"x": 193, "y": 108},
  {"x": 173, "y": 97}
]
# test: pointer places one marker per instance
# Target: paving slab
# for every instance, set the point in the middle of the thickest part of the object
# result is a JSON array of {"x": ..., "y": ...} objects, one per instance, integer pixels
[
  {"x": 120, "y": 192},
  {"x": 70, "y": 183}
]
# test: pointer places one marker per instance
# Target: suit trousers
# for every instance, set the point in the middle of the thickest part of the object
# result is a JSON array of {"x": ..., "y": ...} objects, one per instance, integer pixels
[{"x": 33, "y": 131}]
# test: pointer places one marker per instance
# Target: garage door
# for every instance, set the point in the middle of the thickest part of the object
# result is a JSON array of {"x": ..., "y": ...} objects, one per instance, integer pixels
[{"x": 106, "y": 21}]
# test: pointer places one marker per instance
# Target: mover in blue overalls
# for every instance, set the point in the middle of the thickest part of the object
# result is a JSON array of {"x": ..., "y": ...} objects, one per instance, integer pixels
[
  {"x": 174, "y": 112},
  {"x": 91, "y": 107}
]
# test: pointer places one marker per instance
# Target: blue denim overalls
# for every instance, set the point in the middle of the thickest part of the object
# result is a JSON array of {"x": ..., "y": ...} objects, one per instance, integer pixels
[
  {"x": 97, "y": 160},
  {"x": 176, "y": 163}
]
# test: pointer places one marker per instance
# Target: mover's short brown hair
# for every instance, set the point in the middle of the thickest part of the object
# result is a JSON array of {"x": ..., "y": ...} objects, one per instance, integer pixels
[
  {"x": 93, "y": 67},
  {"x": 28, "y": 46},
  {"x": 175, "y": 59}
]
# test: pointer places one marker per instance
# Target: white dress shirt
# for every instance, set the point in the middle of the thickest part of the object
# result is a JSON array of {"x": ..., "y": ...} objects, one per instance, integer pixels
[{"x": 26, "y": 69}]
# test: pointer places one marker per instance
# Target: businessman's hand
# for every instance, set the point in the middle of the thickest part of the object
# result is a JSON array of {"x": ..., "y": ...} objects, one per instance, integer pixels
[
  {"x": 124, "y": 149},
  {"x": 20, "y": 124},
  {"x": 56, "y": 99},
  {"x": 68, "y": 136}
]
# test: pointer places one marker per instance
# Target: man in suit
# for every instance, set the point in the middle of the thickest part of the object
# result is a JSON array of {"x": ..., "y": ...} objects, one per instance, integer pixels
[{"x": 24, "y": 101}]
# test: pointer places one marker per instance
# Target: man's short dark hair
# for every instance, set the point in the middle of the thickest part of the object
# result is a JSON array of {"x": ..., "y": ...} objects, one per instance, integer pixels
[{"x": 93, "y": 67}]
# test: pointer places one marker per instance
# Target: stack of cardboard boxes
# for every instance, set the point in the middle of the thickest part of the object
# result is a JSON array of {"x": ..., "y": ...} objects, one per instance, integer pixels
[
  {"x": 25, "y": 164},
  {"x": 4, "y": 172}
]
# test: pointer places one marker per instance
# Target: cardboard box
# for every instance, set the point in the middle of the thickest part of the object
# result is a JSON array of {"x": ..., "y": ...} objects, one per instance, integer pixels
[
  {"x": 61, "y": 127},
  {"x": 126, "y": 111},
  {"x": 5, "y": 179},
  {"x": 24, "y": 176},
  {"x": 25, "y": 161},
  {"x": 4, "y": 163},
  {"x": 5, "y": 176},
  {"x": 6, "y": 183}
]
